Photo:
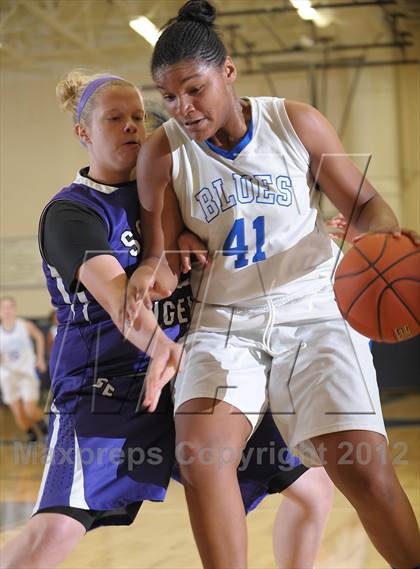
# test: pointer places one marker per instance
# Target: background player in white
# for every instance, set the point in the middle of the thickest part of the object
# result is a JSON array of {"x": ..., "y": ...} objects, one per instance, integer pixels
[
  {"x": 267, "y": 320},
  {"x": 52, "y": 331},
  {"x": 19, "y": 384}
]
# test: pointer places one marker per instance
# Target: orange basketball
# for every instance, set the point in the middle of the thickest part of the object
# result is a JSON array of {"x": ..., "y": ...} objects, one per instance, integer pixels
[{"x": 377, "y": 287}]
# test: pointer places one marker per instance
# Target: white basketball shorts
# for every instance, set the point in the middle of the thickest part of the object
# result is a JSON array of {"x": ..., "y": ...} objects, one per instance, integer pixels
[
  {"x": 297, "y": 355},
  {"x": 19, "y": 384}
]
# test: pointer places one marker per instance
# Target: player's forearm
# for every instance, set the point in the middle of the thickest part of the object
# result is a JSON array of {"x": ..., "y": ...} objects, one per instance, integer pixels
[
  {"x": 152, "y": 232},
  {"x": 40, "y": 347},
  {"x": 155, "y": 257},
  {"x": 144, "y": 332},
  {"x": 107, "y": 281},
  {"x": 39, "y": 340},
  {"x": 374, "y": 215}
]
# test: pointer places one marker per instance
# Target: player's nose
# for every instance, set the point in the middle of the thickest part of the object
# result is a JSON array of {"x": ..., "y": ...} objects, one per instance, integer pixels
[
  {"x": 185, "y": 105},
  {"x": 130, "y": 126}
]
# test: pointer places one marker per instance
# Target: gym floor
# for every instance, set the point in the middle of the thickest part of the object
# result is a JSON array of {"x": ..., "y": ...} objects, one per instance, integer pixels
[{"x": 161, "y": 536}]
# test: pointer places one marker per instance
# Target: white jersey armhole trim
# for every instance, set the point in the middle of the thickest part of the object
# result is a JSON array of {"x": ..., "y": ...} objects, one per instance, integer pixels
[{"x": 298, "y": 145}]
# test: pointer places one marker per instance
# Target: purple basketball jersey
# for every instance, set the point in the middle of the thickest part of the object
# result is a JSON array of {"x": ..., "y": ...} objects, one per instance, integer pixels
[{"x": 90, "y": 337}]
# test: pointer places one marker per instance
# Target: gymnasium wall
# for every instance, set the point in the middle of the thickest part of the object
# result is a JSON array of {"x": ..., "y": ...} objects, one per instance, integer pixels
[{"x": 39, "y": 154}]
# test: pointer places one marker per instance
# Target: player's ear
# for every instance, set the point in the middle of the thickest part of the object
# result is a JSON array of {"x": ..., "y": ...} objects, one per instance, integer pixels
[
  {"x": 82, "y": 133},
  {"x": 229, "y": 69}
]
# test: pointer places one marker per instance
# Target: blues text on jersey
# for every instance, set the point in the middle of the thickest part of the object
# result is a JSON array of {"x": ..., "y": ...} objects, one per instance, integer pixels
[{"x": 266, "y": 189}]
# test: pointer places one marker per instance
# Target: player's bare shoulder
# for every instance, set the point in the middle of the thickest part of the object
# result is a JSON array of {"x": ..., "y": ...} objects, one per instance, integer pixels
[
  {"x": 305, "y": 119},
  {"x": 313, "y": 129}
]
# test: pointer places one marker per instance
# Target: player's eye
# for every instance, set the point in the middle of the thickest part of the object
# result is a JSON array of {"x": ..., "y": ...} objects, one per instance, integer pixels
[{"x": 195, "y": 90}]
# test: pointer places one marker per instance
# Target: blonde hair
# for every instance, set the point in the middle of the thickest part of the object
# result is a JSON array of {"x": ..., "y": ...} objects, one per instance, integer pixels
[
  {"x": 70, "y": 89},
  {"x": 8, "y": 299}
]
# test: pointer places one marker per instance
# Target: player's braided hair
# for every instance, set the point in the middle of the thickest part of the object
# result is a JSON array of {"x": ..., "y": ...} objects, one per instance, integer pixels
[{"x": 191, "y": 35}]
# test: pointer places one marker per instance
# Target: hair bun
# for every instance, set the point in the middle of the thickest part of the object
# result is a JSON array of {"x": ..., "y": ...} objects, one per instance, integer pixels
[{"x": 198, "y": 11}]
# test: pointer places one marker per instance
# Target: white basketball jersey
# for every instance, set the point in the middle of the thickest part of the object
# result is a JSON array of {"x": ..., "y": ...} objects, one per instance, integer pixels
[
  {"x": 16, "y": 347},
  {"x": 251, "y": 206}
]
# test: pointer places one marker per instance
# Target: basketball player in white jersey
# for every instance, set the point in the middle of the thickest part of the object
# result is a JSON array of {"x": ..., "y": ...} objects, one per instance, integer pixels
[
  {"x": 266, "y": 329},
  {"x": 18, "y": 382},
  {"x": 94, "y": 493}
]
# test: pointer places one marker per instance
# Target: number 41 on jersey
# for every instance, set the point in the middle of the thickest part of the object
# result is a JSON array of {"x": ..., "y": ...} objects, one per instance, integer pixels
[{"x": 235, "y": 242}]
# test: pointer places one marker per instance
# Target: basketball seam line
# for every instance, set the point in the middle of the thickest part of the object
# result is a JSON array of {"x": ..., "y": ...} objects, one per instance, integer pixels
[
  {"x": 374, "y": 261},
  {"x": 380, "y": 274}
]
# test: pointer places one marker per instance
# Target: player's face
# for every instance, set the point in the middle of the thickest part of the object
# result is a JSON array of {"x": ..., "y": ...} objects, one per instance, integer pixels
[
  {"x": 7, "y": 309},
  {"x": 199, "y": 96},
  {"x": 115, "y": 132}
]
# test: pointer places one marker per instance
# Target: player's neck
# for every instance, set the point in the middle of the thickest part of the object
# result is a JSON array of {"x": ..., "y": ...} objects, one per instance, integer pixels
[
  {"x": 235, "y": 128},
  {"x": 8, "y": 323},
  {"x": 109, "y": 177}
]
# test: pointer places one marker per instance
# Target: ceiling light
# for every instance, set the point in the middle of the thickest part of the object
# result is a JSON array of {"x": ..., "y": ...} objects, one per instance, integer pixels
[
  {"x": 300, "y": 3},
  {"x": 145, "y": 28},
  {"x": 307, "y": 12}
]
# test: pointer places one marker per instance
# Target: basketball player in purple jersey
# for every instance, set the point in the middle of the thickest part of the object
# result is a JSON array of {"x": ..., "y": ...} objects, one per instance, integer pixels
[
  {"x": 106, "y": 455},
  {"x": 266, "y": 328}
]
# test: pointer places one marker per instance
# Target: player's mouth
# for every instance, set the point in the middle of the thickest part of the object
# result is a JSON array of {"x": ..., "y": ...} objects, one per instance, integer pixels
[{"x": 194, "y": 124}]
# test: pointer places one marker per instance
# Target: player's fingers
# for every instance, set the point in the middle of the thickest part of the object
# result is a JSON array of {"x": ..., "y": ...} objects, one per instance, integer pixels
[
  {"x": 136, "y": 297},
  {"x": 185, "y": 258},
  {"x": 159, "y": 291},
  {"x": 131, "y": 300},
  {"x": 135, "y": 314},
  {"x": 175, "y": 363},
  {"x": 396, "y": 233},
  {"x": 155, "y": 401},
  {"x": 358, "y": 237},
  {"x": 202, "y": 257},
  {"x": 413, "y": 235},
  {"x": 164, "y": 370},
  {"x": 153, "y": 381},
  {"x": 144, "y": 298},
  {"x": 149, "y": 392}
]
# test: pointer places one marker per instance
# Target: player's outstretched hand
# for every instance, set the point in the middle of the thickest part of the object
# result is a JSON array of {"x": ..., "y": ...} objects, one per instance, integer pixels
[
  {"x": 152, "y": 280},
  {"x": 338, "y": 228},
  {"x": 189, "y": 244},
  {"x": 336, "y": 225},
  {"x": 167, "y": 360}
]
